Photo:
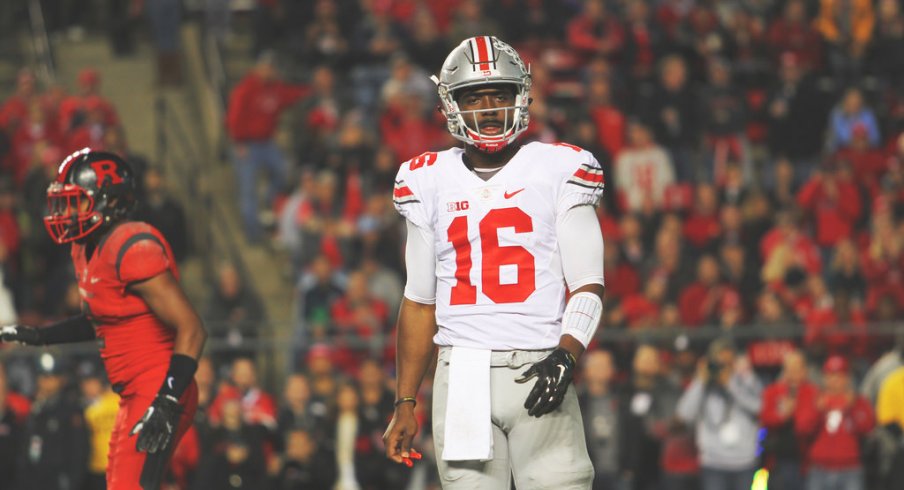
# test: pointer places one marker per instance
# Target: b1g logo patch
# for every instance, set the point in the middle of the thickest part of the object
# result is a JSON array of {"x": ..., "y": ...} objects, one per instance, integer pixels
[{"x": 457, "y": 206}]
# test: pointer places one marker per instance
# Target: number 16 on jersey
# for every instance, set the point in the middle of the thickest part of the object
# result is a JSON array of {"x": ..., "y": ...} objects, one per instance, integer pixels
[{"x": 494, "y": 256}]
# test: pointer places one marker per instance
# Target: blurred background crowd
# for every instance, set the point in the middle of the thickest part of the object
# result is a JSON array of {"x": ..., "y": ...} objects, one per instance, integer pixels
[{"x": 754, "y": 222}]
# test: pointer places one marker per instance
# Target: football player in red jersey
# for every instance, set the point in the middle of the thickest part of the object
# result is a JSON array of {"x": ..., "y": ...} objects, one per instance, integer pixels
[{"x": 149, "y": 334}]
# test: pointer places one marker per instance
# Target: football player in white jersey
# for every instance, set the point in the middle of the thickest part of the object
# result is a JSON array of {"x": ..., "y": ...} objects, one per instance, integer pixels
[{"x": 504, "y": 256}]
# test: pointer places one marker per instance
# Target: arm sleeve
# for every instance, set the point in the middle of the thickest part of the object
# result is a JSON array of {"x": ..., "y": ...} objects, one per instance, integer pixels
[
  {"x": 141, "y": 257},
  {"x": 420, "y": 264},
  {"x": 688, "y": 409},
  {"x": 74, "y": 329},
  {"x": 747, "y": 392},
  {"x": 769, "y": 414},
  {"x": 863, "y": 415},
  {"x": 581, "y": 245}
]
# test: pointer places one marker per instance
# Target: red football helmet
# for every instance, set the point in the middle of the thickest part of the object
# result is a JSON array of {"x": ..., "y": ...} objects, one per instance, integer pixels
[{"x": 93, "y": 190}]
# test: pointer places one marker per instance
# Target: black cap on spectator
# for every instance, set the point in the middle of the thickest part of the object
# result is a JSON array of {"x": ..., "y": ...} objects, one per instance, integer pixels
[{"x": 91, "y": 369}]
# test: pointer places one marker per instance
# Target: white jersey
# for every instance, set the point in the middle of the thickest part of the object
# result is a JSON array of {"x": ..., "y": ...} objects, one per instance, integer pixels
[
  {"x": 644, "y": 173},
  {"x": 500, "y": 283}
]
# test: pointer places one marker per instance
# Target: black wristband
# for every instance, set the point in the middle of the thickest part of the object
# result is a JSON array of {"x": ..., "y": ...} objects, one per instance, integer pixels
[
  {"x": 181, "y": 371},
  {"x": 73, "y": 329}
]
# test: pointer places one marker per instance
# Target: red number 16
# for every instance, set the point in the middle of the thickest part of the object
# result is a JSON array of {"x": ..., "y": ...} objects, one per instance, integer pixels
[{"x": 494, "y": 257}]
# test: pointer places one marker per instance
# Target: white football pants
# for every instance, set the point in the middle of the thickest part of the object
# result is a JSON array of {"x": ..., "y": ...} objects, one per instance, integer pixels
[{"x": 543, "y": 453}]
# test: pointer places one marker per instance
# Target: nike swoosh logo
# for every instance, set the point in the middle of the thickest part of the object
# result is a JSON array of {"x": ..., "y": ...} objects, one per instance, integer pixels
[
  {"x": 169, "y": 382},
  {"x": 509, "y": 195}
]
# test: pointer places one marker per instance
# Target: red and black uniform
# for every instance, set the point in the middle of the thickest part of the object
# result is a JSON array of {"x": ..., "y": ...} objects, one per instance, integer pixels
[{"x": 134, "y": 344}]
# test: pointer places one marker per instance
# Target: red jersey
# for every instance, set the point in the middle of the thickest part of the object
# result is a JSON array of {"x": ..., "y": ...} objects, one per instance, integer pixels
[{"x": 134, "y": 343}]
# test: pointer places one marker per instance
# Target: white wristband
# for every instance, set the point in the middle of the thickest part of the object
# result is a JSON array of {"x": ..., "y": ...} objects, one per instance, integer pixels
[{"x": 582, "y": 316}]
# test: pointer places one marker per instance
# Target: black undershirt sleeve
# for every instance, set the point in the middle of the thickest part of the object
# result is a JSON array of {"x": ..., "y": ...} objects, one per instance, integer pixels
[{"x": 73, "y": 329}]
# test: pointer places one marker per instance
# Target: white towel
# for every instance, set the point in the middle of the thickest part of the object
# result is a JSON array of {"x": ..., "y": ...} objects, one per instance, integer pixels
[{"x": 469, "y": 431}]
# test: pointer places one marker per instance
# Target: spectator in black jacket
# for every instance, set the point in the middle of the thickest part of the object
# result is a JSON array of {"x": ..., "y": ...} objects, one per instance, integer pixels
[
  {"x": 159, "y": 209},
  {"x": 298, "y": 413},
  {"x": 672, "y": 111},
  {"x": 797, "y": 117},
  {"x": 11, "y": 428},
  {"x": 234, "y": 314},
  {"x": 235, "y": 456},
  {"x": 647, "y": 404},
  {"x": 599, "y": 407},
  {"x": 55, "y": 452},
  {"x": 305, "y": 466}
]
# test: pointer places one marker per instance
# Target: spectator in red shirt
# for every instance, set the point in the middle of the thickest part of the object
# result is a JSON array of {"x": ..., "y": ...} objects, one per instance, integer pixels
[
  {"x": 869, "y": 163},
  {"x": 320, "y": 117},
  {"x": 621, "y": 278},
  {"x": 883, "y": 261},
  {"x": 785, "y": 247},
  {"x": 11, "y": 237},
  {"x": 407, "y": 131},
  {"x": 359, "y": 319},
  {"x": 643, "y": 39},
  {"x": 838, "y": 327},
  {"x": 255, "y": 105},
  {"x": 594, "y": 32},
  {"x": 767, "y": 353},
  {"x": 833, "y": 420},
  {"x": 702, "y": 229},
  {"x": 784, "y": 450},
  {"x": 700, "y": 301},
  {"x": 257, "y": 406},
  {"x": 89, "y": 95},
  {"x": 35, "y": 132},
  {"x": 792, "y": 33},
  {"x": 15, "y": 109},
  {"x": 832, "y": 203},
  {"x": 610, "y": 120},
  {"x": 90, "y": 127},
  {"x": 642, "y": 310}
]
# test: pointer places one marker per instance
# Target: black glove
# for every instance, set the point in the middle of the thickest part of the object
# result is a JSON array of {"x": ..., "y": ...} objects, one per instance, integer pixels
[
  {"x": 21, "y": 334},
  {"x": 156, "y": 427},
  {"x": 554, "y": 373}
]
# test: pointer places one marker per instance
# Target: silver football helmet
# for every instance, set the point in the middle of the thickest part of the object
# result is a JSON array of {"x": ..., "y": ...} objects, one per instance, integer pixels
[{"x": 484, "y": 60}]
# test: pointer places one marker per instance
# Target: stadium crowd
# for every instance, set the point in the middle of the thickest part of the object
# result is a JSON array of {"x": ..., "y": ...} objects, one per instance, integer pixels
[{"x": 755, "y": 163}]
